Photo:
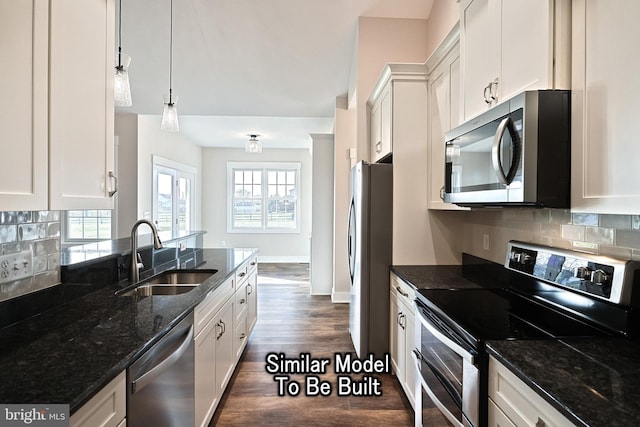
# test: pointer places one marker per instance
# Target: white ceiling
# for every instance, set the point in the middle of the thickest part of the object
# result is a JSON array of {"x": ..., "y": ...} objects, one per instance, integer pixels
[{"x": 271, "y": 67}]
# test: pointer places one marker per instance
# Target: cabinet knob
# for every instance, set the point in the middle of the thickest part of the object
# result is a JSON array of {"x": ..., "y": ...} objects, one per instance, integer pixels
[{"x": 379, "y": 147}]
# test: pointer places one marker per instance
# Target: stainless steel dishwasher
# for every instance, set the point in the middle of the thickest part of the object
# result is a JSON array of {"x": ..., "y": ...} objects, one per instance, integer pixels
[{"x": 160, "y": 384}]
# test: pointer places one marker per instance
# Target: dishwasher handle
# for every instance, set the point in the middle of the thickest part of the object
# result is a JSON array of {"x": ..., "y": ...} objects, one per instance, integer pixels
[{"x": 146, "y": 378}]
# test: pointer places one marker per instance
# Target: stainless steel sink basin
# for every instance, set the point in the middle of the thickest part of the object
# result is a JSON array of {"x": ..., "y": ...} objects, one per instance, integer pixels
[
  {"x": 171, "y": 282},
  {"x": 181, "y": 277},
  {"x": 148, "y": 290}
]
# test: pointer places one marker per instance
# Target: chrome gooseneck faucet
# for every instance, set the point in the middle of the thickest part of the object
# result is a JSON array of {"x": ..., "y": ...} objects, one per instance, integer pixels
[{"x": 136, "y": 261}]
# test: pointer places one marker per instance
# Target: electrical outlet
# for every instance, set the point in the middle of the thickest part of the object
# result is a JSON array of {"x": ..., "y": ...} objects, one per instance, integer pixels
[
  {"x": 223, "y": 243},
  {"x": 485, "y": 242},
  {"x": 16, "y": 266},
  {"x": 183, "y": 246}
]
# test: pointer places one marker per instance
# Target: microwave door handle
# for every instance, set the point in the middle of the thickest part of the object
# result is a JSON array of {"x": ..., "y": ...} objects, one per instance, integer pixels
[{"x": 506, "y": 124}]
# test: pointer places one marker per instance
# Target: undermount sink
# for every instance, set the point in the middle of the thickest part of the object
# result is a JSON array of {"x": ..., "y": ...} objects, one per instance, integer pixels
[{"x": 171, "y": 282}]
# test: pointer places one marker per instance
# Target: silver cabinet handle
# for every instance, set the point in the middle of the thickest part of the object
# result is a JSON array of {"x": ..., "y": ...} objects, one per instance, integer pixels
[
  {"x": 506, "y": 124},
  {"x": 540, "y": 423},
  {"x": 249, "y": 288},
  {"x": 242, "y": 274},
  {"x": 379, "y": 147},
  {"x": 146, "y": 378},
  {"x": 404, "y": 294},
  {"x": 487, "y": 99},
  {"x": 242, "y": 301},
  {"x": 442, "y": 193},
  {"x": 113, "y": 176}
]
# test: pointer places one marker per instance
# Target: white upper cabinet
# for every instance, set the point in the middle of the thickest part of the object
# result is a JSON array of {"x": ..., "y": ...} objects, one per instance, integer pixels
[
  {"x": 605, "y": 105},
  {"x": 380, "y": 125},
  {"x": 81, "y": 109},
  {"x": 444, "y": 112},
  {"x": 57, "y": 130},
  {"x": 508, "y": 46},
  {"x": 23, "y": 114}
]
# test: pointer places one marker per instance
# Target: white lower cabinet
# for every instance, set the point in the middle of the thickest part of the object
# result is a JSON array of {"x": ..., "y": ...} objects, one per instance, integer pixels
[
  {"x": 512, "y": 402},
  {"x": 206, "y": 397},
  {"x": 402, "y": 331},
  {"x": 222, "y": 322},
  {"x": 107, "y": 408}
]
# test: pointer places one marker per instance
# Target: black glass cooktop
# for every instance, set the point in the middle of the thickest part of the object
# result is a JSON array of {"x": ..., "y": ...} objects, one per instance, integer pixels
[{"x": 499, "y": 314}]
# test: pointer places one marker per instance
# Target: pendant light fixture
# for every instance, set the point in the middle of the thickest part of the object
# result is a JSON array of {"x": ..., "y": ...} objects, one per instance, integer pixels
[
  {"x": 121, "y": 88},
  {"x": 170, "y": 112},
  {"x": 253, "y": 145}
]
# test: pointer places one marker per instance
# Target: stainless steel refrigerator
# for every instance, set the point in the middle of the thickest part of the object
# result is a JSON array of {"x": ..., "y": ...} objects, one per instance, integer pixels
[{"x": 369, "y": 249}]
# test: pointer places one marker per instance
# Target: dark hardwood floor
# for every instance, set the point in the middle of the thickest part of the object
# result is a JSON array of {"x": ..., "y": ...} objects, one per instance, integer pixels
[{"x": 292, "y": 322}]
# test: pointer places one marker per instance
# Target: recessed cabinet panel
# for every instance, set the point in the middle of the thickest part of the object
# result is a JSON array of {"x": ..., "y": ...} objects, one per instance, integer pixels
[
  {"x": 81, "y": 109},
  {"x": 605, "y": 106},
  {"x": 23, "y": 114}
]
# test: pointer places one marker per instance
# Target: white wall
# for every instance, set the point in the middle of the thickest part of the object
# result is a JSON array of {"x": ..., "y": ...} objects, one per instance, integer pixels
[
  {"x": 171, "y": 146},
  {"x": 285, "y": 247},
  {"x": 382, "y": 40},
  {"x": 344, "y": 139},
  {"x": 126, "y": 130},
  {"x": 322, "y": 215}
]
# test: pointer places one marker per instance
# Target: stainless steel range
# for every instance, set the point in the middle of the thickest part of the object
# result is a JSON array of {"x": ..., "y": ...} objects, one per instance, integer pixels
[{"x": 546, "y": 293}]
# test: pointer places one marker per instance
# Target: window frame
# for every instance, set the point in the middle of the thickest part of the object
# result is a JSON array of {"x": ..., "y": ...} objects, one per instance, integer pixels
[
  {"x": 64, "y": 219},
  {"x": 265, "y": 168},
  {"x": 177, "y": 171}
]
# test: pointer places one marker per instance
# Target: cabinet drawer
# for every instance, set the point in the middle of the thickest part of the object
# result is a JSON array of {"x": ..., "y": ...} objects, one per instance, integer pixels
[
  {"x": 404, "y": 291},
  {"x": 107, "y": 408},
  {"x": 242, "y": 301},
  {"x": 521, "y": 404},
  {"x": 212, "y": 303},
  {"x": 242, "y": 273}
]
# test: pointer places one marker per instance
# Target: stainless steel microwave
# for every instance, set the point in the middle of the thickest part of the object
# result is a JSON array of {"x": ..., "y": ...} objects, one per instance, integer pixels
[{"x": 516, "y": 154}]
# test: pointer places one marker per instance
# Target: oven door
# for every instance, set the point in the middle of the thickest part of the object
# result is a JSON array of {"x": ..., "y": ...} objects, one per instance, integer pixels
[{"x": 447, "y": 370}]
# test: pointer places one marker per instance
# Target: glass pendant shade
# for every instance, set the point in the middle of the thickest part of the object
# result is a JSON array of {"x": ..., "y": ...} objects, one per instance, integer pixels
[
  {"x": 170, "y": 117},
  {"x": 253, "y": 145},
  {"x": 121, "y": 88}
]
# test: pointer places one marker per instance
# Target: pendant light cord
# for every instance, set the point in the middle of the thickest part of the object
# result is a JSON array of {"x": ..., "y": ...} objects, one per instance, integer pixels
[
  {"x": 170, "y": 53},
  {"x": 120, "y": 35}
]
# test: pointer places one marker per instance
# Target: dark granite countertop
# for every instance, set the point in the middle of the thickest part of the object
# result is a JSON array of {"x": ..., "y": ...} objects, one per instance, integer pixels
[
  {"x": 69, "y": 353},
  {"x": 593, "y": 382},
  {"x": 433, "y": 276}
]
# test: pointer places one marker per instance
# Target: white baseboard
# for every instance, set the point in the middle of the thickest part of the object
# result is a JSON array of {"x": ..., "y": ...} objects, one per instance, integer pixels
[
  {"x": 283, "y": 259},
  {"x": 340, "y": 297}
]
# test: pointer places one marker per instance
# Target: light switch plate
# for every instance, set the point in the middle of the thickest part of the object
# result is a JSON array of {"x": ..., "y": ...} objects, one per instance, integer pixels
[{"x": 16, "y": 266}]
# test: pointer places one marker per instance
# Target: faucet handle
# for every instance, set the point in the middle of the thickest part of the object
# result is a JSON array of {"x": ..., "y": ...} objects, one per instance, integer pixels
[{"x": 139, "y": 263}]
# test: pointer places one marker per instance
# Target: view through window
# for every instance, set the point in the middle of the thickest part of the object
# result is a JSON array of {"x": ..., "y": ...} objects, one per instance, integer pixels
[{"x": 264, "y": 197}]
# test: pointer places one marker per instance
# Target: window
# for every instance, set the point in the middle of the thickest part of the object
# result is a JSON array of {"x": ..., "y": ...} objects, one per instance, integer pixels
[
  {"x": 263, "y": 197},
  {"x": 88, "y": 225},
  {"x": 173, "y": 191}
]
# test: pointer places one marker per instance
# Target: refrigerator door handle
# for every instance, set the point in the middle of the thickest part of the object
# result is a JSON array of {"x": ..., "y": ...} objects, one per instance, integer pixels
[{"x": 350, "y": 239}]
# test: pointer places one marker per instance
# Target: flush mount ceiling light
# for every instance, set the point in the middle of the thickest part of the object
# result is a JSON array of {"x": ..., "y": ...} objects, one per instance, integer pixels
[
  {"x": 170, "y": 111},
  {"x": 121, "y": 88},
  {"x": 253, "y": 145}
]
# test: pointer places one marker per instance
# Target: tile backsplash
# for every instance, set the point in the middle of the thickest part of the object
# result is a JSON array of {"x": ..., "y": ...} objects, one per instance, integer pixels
[
  {"x": 39, "y": 232},
  {"x": 614, "y": 235}
]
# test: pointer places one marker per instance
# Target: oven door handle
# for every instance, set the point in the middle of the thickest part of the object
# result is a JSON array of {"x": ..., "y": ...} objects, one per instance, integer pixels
[
  {"x": 447, "y": 341},
  {"x": 441, "y": 378},
  {"x": 417, "y": 357}
]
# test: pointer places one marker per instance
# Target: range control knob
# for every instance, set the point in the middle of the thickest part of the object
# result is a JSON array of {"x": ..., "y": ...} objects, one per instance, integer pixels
[
  {"x": 583, "y": 273},
  {"x": 598, "y": 277}
]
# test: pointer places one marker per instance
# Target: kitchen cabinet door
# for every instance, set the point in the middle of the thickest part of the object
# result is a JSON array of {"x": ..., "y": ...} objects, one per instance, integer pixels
[
  {"x": 401, "y": 335},
  {"x": 480, "y": 51},
  {"x": 381, "y": 124},
  {"x": 106, "y": 408},
  {"x": 81, "y": 108},
  {"x": 206, "y": 397},
  {"x": 511, "y": 46},
  {"x": 225, "y": 356},
  {"x": 24, "y": 27},
  {"x": 444, "y": 113},
  {"x": 604, "y": 110}
]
